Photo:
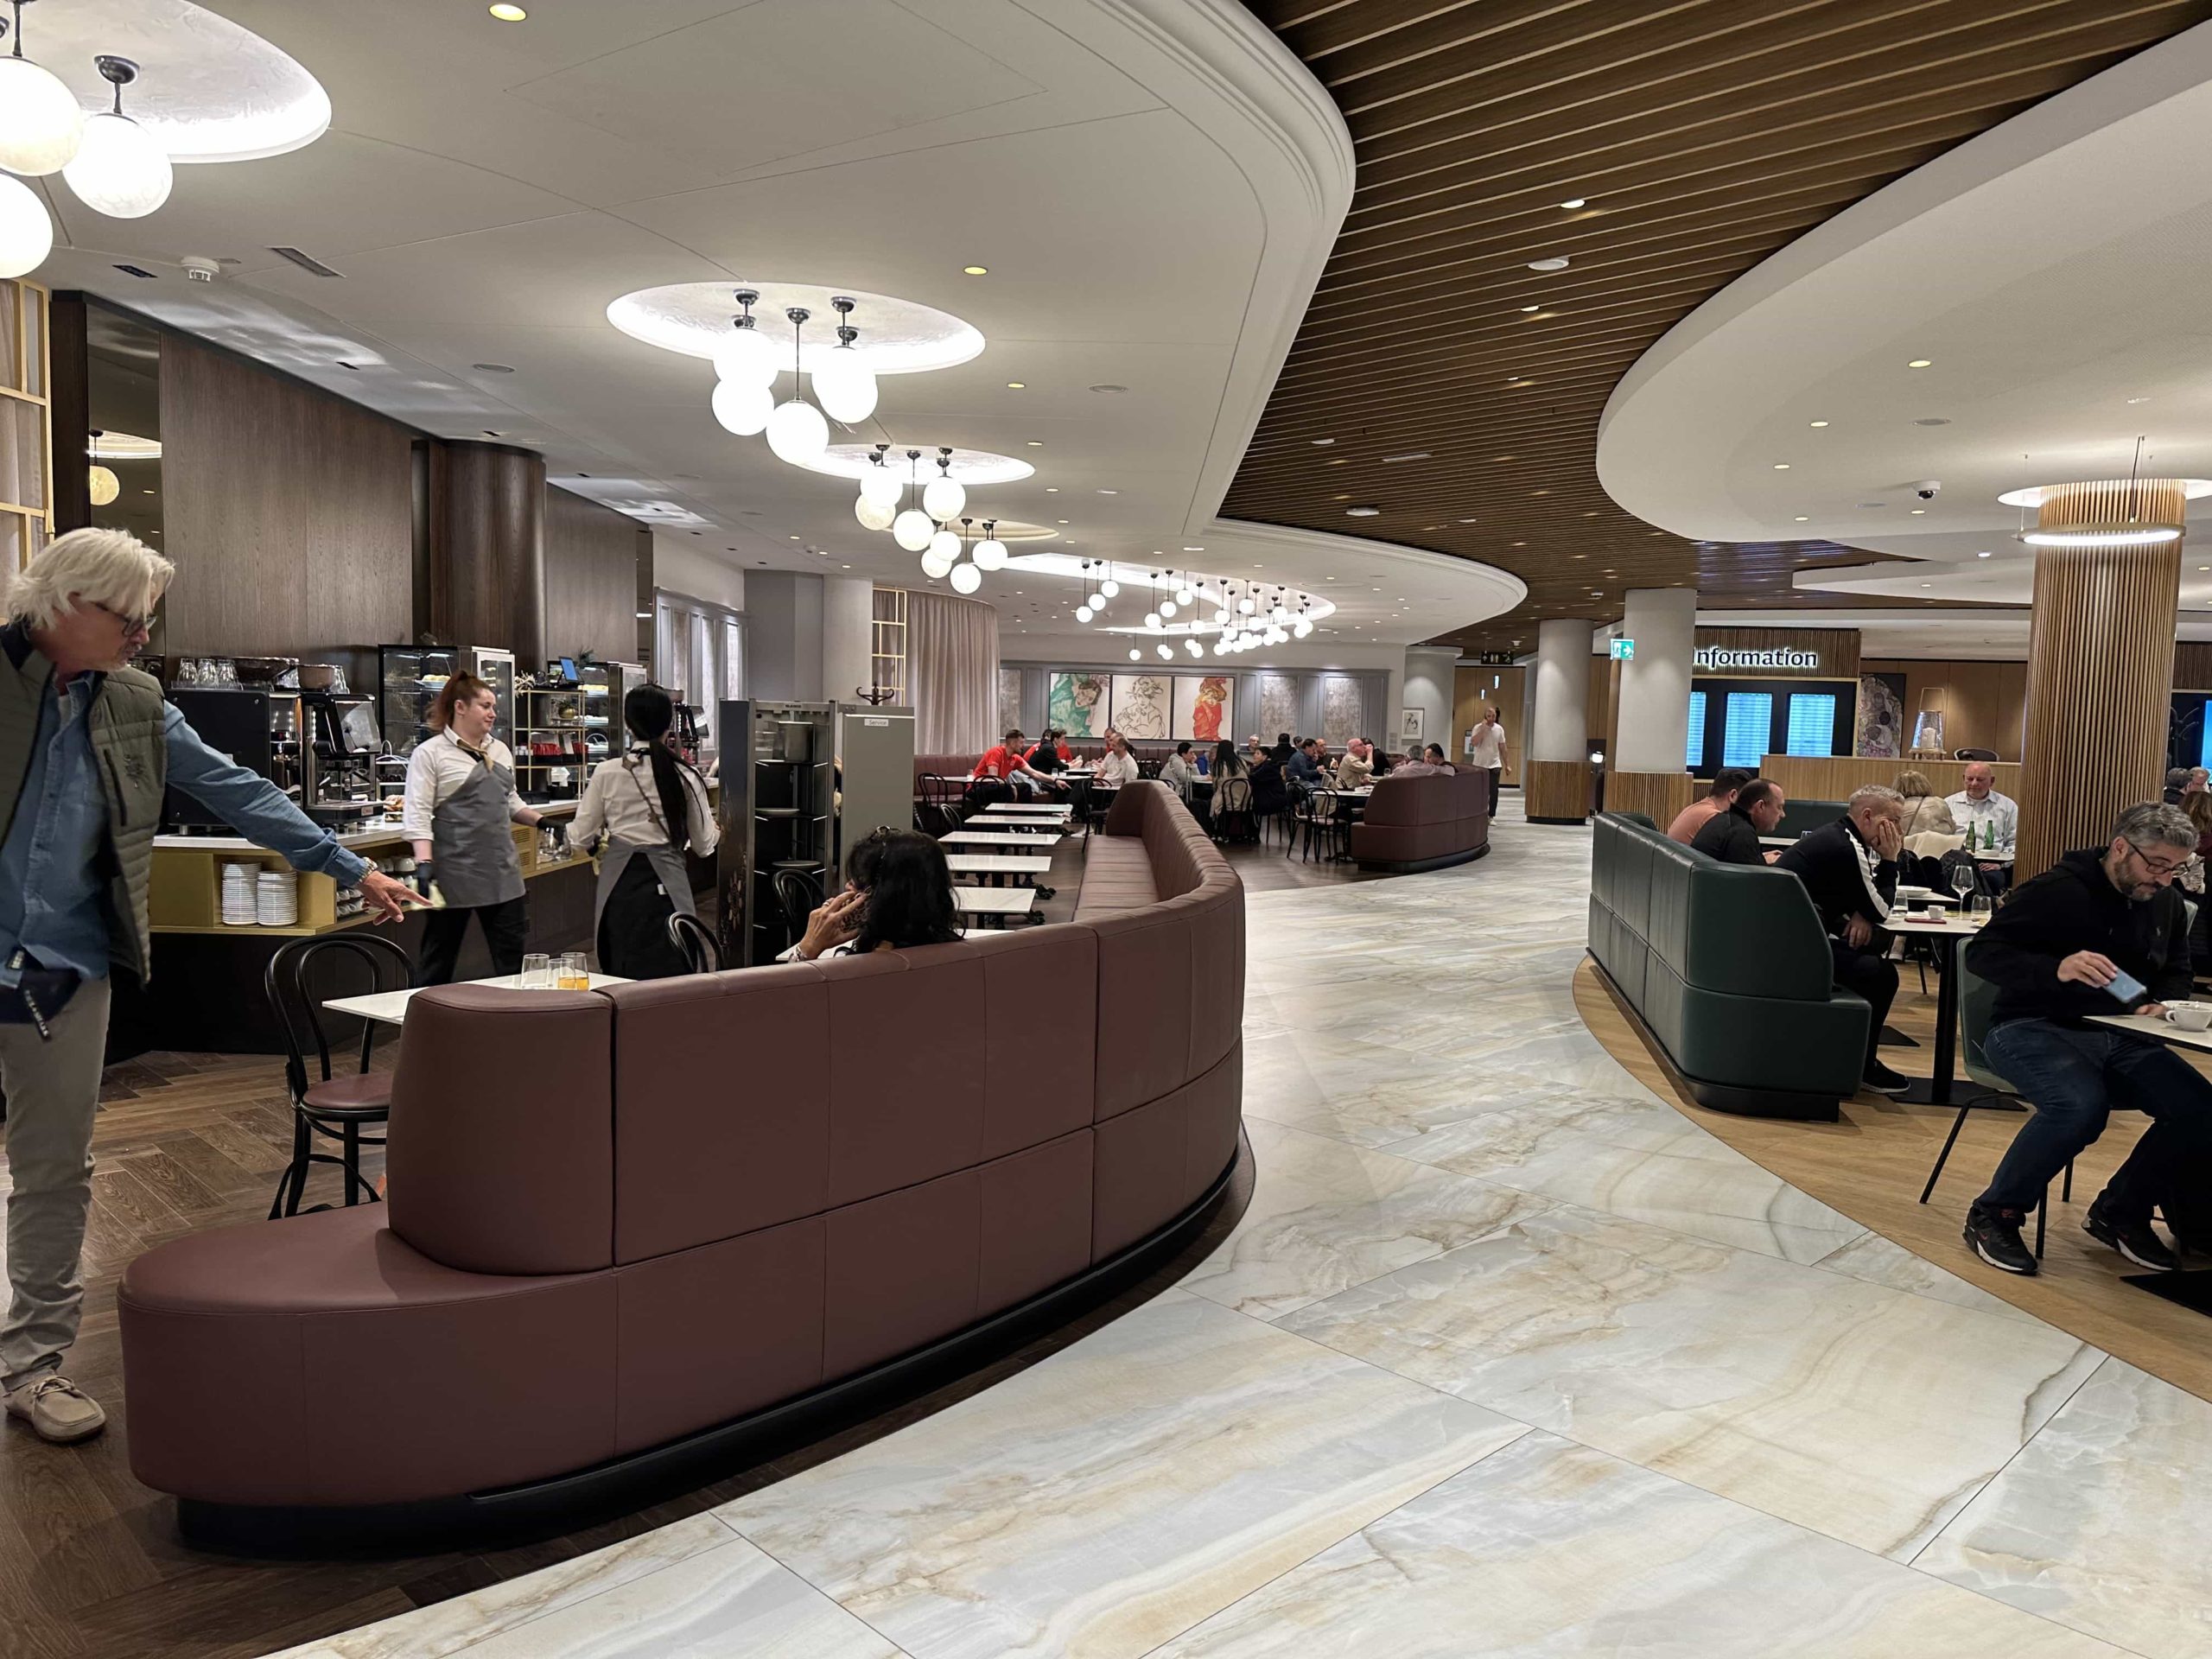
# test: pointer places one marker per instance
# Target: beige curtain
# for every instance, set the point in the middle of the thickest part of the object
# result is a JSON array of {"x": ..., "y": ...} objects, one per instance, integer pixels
[{"x": 952, "y": 673}]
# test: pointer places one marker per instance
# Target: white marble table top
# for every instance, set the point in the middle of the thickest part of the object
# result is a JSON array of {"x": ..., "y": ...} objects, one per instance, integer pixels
[
  {"x": 994, "y": 901},
  {"x": 1043, "y": 807},
  {"x": 390, "y": 1007},
  {"x": 996, "y": 864},
  {"x": 2149, "y": 1026},
  {"x": 999, "y": 838}
]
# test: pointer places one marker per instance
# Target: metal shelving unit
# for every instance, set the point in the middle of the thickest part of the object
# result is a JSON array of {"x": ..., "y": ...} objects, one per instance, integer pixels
[{"x": 778, "y": 813}]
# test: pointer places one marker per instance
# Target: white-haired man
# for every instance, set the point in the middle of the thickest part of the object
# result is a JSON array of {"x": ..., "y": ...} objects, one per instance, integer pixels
[
  {"x": 87, "y": 747},
  {"x": 1849, "y": 869}
]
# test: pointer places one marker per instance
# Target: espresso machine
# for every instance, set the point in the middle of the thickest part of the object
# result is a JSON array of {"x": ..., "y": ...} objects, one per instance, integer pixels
[
  {"x": 343, "y": 743},
  {"x": 254, "y": 726}
]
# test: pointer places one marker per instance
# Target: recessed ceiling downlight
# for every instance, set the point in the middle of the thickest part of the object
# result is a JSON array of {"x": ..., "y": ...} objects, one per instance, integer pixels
[
  {"x": 1362, "y": 512},
  {"x": 1552, "y": 264}
]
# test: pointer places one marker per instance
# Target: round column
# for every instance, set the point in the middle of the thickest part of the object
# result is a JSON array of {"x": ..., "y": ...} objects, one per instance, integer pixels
[
  {"x": 1429, "y": 673},
  {"x": 2100, "y": 655},
  {"x": 1648, "y": 771},
  {"x": 1557, "y": 786}
]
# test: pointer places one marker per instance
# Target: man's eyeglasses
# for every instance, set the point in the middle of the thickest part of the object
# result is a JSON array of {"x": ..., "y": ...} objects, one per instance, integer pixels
[
  {"x": 129, "y": 624},
  {"x": 2165, "y": 872}
]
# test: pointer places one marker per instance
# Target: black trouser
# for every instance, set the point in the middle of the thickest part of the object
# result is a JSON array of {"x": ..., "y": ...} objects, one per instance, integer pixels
[
  {"x": 1875, "y": 978},
  {"x": 506, "y": 929},
  {"x": 1497, "y": 778}
]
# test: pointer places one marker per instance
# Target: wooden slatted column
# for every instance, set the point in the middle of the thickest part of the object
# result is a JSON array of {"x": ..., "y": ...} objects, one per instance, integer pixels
[{"x": 2100, "y": 656}]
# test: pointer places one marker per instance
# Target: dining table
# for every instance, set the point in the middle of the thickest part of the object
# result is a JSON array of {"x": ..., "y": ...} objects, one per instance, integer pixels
[
  {"x": 1935, "y": 1089},
  {"x": 390, "y": 1007}
]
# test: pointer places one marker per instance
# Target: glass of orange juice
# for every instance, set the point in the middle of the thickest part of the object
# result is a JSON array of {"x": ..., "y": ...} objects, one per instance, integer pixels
[{"x": 573, "y": 976}]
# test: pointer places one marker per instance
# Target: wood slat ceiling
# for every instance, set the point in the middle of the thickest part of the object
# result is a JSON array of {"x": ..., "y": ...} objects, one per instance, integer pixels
[{"x": 1703, "y": 134}]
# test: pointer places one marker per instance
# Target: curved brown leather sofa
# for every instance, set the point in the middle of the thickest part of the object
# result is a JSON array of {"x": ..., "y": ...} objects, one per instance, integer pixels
[
  {"x": 1424, "y": 824},
  {"x": 622, "y": 1218}
]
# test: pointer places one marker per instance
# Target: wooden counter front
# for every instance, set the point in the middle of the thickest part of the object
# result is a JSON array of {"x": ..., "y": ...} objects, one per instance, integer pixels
[
  {"x": 1658, "y": 795},
  {"x": 1815, "y": 777}
]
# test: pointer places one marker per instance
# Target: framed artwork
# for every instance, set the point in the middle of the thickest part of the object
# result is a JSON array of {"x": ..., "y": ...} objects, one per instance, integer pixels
[
  {"x": 1206, "y": 707},
  {"x": 1278, "y": 707},
  {"x": 1881, "y": 717},
  {"x": 1340, "y": 710},
  {"x": 1142, "y": 704},
  {"x": 1077, "y": 704},
  {"x": 1409, "y": 729},
  {"x": 1010, "y": 698}
]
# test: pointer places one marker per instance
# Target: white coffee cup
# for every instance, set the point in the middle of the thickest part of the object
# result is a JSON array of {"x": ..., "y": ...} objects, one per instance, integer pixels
[{"x": 2190, "y": 1016}]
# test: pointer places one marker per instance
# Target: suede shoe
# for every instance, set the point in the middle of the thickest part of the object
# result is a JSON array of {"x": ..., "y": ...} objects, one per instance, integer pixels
[
  {"x": 1994, "y": 1235},
  {"x": 57, "y": 1409},
  {"x": 2134, "y": 1240}
]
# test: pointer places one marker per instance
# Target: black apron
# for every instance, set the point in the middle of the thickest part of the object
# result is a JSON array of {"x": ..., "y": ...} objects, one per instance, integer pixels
[{"x": 640, "y": 888}]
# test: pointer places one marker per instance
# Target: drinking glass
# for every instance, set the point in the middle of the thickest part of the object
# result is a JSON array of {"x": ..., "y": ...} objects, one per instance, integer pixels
[
  {"x": 538, "y": 972},
  {"x": 574, "y": 976},
  {"x": 1981, "y": 908},
  {"x": 1963, "y": 878}
]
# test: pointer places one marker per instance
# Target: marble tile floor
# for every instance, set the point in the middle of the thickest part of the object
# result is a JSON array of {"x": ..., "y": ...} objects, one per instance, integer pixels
[{"x": 1505, "y": 1358}]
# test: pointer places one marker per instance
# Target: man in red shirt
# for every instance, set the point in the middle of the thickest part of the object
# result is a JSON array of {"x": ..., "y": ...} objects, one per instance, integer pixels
[{"x": 1003, "y": 761}]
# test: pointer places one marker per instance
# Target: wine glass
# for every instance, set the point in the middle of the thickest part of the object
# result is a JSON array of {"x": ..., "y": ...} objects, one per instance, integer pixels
[{"x": 1962, "y": 879}]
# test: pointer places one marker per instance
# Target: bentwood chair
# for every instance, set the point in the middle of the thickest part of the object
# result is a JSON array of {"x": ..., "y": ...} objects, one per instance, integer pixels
[
  {"x": 334, "y": 1107},
  {"x": 694, "y": 943},
  {"x": 797, "y": 895}
]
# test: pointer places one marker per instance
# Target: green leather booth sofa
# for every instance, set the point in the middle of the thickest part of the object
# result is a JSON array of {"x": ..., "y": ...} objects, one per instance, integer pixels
[
  {"x": 1727, "y": 968},
  {"x": 1798, "y": 817}
]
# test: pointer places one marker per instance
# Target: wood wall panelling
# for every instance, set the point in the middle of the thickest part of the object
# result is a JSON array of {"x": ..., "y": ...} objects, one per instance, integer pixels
[
  {"x": 591, "y": 578},
  {"x": 488, "y": 552},
  {"x": 1984, "y": 702},
  {"x": 288, "y": 512},
  {"x": 2100, "y": 673},
  {"x": 1472, "y": 686},
  {"x": 1836, "y": 650},
  {"x": 2192, "y": 665}
]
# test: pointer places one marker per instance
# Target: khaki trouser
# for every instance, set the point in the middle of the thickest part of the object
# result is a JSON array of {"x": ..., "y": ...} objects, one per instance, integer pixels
[{"x": 53, "y": 1088}]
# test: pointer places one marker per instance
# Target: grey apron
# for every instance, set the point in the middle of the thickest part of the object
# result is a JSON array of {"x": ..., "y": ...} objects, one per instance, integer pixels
[
  {"x": 472, "y": 848},
  {"x": 667, "y": 861}
]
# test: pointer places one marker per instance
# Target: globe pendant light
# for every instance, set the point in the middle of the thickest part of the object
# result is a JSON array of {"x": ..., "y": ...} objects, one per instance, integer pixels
[
  {"x": 879, "y": 483},
  {"x": 797, "y": 431},
  {"x": 966, "y": 578},
  {"x": 990, "y": 553},
  {"x": 943, "y": 498},
  {"x": 120, "y": 169},
  {"x": 874, "y": 515},
  {"x": 1167, "y": 610},
  {"x": 913, "y": 530},
  {"x": 1135, "y": 656},
  {"x": 843, "y": 383},
  {"x": 742, "y": 406},
  {"x": 945, "y": 546},
  {"x": 40, "y": 121},
  {"x": 1082, "y": 612},
  {"x": 102, "y": 486},
  {"x": 934, "y": 568},
  {"x": 26, "y": 233},
  {"x": 747, "y": 356},
  {"x": 1110, "y": 587}
]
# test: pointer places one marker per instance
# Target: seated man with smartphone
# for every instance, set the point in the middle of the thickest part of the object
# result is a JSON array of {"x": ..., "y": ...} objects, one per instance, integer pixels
[{"x": 2099, "y": 933}]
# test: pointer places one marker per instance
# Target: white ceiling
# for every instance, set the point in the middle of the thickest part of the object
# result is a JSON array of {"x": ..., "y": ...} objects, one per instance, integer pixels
[
  {"x": 1154, "y": 185},
  {"x": 2052, "y": 271}
]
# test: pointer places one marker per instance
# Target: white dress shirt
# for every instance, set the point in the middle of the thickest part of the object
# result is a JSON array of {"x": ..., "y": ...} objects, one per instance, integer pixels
[
  {"x": 439, "y": 765},
  {"x": 1993, "y": 813},
  {"x": 622, "y": 799}
]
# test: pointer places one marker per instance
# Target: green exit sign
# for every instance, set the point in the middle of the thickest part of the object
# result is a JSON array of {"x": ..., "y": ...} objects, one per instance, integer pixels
[{"x": 1624, "y": 650}]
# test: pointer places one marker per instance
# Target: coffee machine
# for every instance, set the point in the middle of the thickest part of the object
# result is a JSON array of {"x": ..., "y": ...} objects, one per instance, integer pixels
[
  {"x": 256, "y": 726},
  {"x": 343, "y": 743}
]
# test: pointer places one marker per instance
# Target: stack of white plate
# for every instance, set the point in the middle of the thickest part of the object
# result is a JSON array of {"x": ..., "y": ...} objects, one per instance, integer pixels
[
  {"x": 241, "y": 906},
  {"x": 279, "y": 897}
]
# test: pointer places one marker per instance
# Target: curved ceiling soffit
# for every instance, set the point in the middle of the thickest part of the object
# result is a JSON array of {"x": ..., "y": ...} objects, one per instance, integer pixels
[
  {"x": 1234, "y": 80},
  {"x": 1695, "y": 377}
]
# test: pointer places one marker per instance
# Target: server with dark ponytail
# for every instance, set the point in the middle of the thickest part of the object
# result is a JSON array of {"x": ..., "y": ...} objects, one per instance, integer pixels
[{"x": 652, "y": 806}]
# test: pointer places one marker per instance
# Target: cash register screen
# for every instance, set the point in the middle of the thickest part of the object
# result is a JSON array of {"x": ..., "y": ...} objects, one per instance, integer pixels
[{"x": 569, "y": 670}]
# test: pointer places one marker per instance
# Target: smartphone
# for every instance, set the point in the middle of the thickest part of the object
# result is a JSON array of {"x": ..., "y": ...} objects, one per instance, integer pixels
[{"x": 2125, "y": 987}]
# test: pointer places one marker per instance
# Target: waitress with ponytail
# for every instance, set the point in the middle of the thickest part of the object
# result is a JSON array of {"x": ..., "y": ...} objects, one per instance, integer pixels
[
  {"x": 652, "y": 806},
  {"x": 461, "y": 798}
]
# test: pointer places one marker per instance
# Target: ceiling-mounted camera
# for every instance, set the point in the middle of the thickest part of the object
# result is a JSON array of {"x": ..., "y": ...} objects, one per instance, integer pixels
[{"x": 1926, "y": 488}]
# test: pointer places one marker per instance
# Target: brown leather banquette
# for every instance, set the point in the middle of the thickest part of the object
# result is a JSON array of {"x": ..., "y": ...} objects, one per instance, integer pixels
[
  {"x": 620, "y": 1218},
  {"x": 1424, "y": 824}
]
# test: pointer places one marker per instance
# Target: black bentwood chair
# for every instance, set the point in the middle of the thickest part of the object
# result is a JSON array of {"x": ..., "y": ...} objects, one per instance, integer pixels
[
  {"x": 333, "y": 1107},
  {"x": 694, "y": 943}
]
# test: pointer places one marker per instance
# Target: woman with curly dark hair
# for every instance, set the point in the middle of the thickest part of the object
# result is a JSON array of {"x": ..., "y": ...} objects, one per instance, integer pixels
[{"x": 897, "y": 895}]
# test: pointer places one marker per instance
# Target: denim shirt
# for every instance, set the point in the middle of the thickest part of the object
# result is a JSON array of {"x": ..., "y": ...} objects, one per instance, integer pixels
[{"x": 53, "y": 889}]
